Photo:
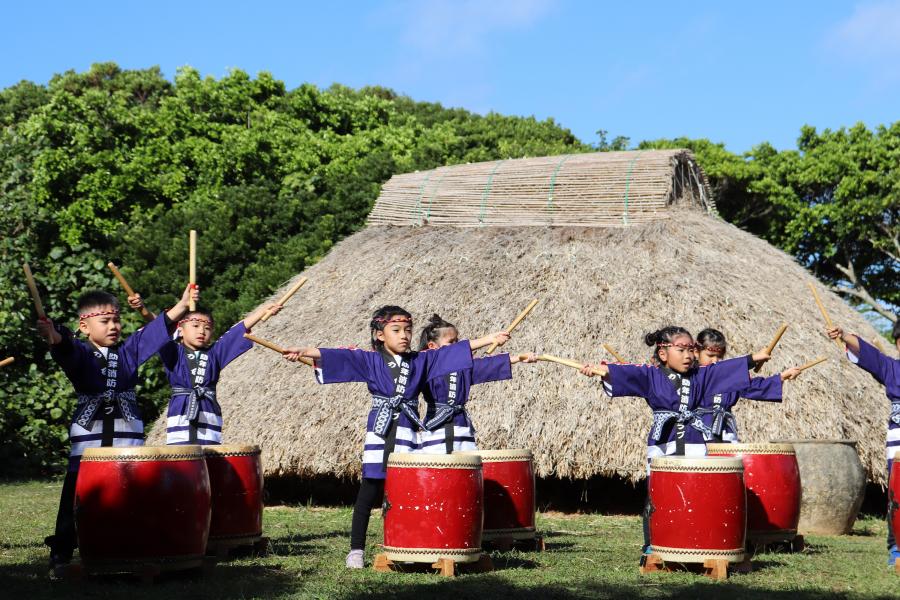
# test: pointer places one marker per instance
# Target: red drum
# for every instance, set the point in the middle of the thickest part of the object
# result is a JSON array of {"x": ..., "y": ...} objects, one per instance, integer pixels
[
  {"x": 236, "y": 482},
  {"x": 772, "y": 479},
  {"x": 894, "y": 495},
  {"x": 698, "y": 509},
  {"x": 433, "y": 507},
  {"x": 508, "y": 494},
  {"x": 142, "y": 504}
]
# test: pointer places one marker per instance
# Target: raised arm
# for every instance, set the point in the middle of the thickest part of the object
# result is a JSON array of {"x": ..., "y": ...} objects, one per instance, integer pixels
[{"x": 491, "y": 368}]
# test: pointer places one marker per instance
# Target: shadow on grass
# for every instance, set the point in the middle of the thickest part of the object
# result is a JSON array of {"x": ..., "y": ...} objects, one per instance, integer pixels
[{"x": 303, "y": 543}]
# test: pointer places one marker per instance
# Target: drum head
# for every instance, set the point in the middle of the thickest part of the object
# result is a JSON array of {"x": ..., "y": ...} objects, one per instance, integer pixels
[
  {"x": 750, "y": 448},
  {"x": 699, "y": 464},
  {"x": 511, "y": 455},
  {"x": 409, "y": 460},
  {"x": 231, "y": 450},
  {"x": 143, "y": 453}
]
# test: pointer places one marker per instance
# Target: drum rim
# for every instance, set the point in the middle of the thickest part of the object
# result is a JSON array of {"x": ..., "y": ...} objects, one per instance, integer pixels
[
  {"x": 751, "y": 448},
  {"x": 142, "y": 453},
  {"x": 410, "y": 460},
  {"x": 697, "y": 464},
  {"x": 231, "y": 449},
  {"x": 506, "y": 455}
]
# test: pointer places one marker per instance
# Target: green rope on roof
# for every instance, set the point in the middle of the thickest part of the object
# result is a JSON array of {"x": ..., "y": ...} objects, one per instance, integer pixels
[
  {"x": 487, "y": 191},
  {"x": 431, "y": 197},
  {"x": 628, "y": 187},
  {"x": 418, "y": 207},
  {"x": 553, "y": 180}
]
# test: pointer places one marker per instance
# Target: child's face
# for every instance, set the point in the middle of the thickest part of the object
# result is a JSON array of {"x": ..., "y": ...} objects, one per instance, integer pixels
[
  {"x": 447, "y": 336},
  {"x": 196, "y": 332},
  {"x": 396, "y": 337},
  {"x": 680, "y": 355},
  {"x": 709, "y": 357},
  {"x": 104, "y": 329}
]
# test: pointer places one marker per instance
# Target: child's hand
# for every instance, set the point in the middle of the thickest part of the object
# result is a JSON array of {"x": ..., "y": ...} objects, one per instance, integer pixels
[
  {"x": 760, "y": 357},
  {"x": 835, "y": 333},
  {"x": 293, "y": 354},
  {"x": 588, "y": 369},
  {"x": 191, "y": 292},
  {"x": 530, "y": 357},
  {"x": 500, "y": 338},
  {"x": 46, "y": 330},
  {"x": 274, "y": 308},
  {"x": 136, "y": 302},
  {"x": 790, "y": 374}
]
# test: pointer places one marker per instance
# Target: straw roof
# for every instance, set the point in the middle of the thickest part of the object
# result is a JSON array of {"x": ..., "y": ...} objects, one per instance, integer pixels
[
  {"x": 600, "y": 189},
  {"x": 595, "y": 285}
]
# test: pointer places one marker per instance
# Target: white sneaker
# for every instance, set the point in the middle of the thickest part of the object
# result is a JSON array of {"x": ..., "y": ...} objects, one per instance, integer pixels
[{"x": 355, "y": 559}]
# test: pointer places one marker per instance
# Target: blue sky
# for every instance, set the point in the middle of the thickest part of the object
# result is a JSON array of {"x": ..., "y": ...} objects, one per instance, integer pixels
[{"x": 738, "y": 73}]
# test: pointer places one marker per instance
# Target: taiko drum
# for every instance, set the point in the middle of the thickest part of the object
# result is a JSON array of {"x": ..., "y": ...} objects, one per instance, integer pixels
[
  {"x": 142, "y": 504},
  {"x": 236, "y": 484},
  {"x": 509, "y": 499},
  {"x": 772, "y": 479},
  {"x": 698, "y": 509},
  {"x": 433, "y": 507},
  {"x": 894, "y": 495}
]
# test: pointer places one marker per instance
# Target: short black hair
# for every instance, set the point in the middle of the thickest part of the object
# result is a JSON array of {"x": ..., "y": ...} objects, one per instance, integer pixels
[
  {"x": 664, "y": 336},
  {"x": 712, "y": 337},
  {"x": 381, "y": 317},
  {"x": 95, "y": 299},
  {"x": 432, "y": 331},
  {"x": 202, "y": 312}
]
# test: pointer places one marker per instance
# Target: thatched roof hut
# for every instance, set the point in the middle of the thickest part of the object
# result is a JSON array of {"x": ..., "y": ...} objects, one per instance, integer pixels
[{"x": 596, "y": 284}]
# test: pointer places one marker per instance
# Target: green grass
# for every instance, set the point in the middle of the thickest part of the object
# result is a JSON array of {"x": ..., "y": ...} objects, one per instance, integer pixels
[{"x": 589, "y": 556}]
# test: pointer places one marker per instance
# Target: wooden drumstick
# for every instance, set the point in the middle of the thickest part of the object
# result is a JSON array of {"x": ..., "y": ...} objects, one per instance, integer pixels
[
  {"x": 565, "y": 361},
  {"x": 148, "y": 316},
  {"x": 825, "y": 316},
  {"x": 812, "y": 363},
  {"x": 275, "y": 347},
  {"x": 514, "y": 324},
  {"x": 614, "y": 354},
  {"x": 7, "y": 361},
  {"x": 286, "y": 297},
  {"x": 32, "y": 287},
  {"x": 772, "y": 344},
  {"x": 192, "y": 265}
]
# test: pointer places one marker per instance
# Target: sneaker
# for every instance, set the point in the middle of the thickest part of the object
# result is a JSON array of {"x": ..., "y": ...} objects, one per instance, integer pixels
[
  {"x": 355, "y": 559},
  {"x": 893, "y": 555}
]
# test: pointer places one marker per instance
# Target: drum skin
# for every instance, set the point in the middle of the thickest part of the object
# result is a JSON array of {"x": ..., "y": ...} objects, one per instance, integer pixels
[
  {"x": 509, "y": 499},
  {"x": 142, "y": 505},
  {"x": 772, "y": 479},
  {"x": 698, "y": 509},
  {"x": 433, "y": 507},
  {"x": 236, "y": 485}
]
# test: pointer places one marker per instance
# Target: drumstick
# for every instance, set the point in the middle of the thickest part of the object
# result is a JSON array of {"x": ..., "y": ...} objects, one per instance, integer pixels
[
  {"x": 514, "y": 324},
  {"x": 614, "y": 354},
  {"x": 772, "y": 344},
  {"x": 286, "y": 297},
  {"x": 148, "y": 316},
  {"x": 565, "y": 361},
  {"x": 275, "y": 347},
  {"x": 821, "y": 306},
  {"x": 192, "y": 265},
  {"x": 32, "y": 287},
  {"x": 6, "y": 361},
  {"x": 812, "y": 363}
]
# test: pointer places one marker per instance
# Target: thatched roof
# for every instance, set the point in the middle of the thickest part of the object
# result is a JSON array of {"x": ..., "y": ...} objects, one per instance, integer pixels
[
  {"x": 601, "y": 189},
  {"x": 596, "y": 285}
]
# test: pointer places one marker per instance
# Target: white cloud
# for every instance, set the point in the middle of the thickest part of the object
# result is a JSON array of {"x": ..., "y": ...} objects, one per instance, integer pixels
[{"x": 871, "y": 35}]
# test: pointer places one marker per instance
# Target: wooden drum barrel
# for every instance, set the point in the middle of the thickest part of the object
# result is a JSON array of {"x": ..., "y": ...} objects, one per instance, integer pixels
[
  {"x": 236, "y": 483},
  {"x": 142, "y": 505},
  {"x": 772, "y": 479},
  {"x": 698, "y": 509},
  {"x": 433, "y": 507},
  {"x": 509, "y": 502}
]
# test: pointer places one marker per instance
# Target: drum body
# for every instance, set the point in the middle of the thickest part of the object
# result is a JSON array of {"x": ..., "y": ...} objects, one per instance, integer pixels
[
  {"x": 772, "y": 479},
  {"x": 141, "y": 505},
  {"x": 894, "y": 495},
  {"x": 433, "y": 507},
  {"x": 236, "y": 485},
  {"x": 509, "y": 499},
  {"x": 698, "y": 509}
]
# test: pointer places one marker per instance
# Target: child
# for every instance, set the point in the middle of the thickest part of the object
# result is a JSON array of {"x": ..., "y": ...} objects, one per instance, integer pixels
[
  {"x": 447, "y": 426},
  {"x": 886, "y": 371},
  {"x": 104, "y": 374},
  {"x": 394, "y": 376},
  {"x": 716, "y": 408},
  {"x": 192, "y": 366},
  {"x": 673, "y": 388}
]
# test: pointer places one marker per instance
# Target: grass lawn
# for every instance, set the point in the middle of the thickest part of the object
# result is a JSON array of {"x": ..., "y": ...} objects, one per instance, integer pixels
[{"x": 589, "y": 556}]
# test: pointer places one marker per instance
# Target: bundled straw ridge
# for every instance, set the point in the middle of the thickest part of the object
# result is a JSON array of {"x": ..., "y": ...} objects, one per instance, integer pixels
[
  {"x": 601, "y": 189},
  {"x": 596, "y": 285}
]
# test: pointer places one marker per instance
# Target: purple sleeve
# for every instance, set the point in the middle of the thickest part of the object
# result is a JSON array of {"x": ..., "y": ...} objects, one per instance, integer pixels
[
  {"x": 447, "y": 359},
  {"x": 148, "y": 340},
  {"x": 730, "y": 375},
  {"x": 169, "y": 354},
  {"x": 629, "y": 380},
  {"x": 67, "y": 354},
  {"x": 491, "y": 368},
  {"x": 882, "y": 368},
  {"x": 342, "y": 365},
  {"x": 764, "y": 388},
  {"x": 231, "y": 344}
]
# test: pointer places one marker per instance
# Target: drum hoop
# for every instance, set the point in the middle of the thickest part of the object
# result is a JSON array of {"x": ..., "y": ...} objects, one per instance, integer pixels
[
  {"x": 512, "y": 455},
  {"x": 411, "y": 460},
  {"x": 142, "y": 453},
  {"x": 750, "y": 448},
  {"x": 714, "y": 464},
  {"x": 231, "y": 450}
]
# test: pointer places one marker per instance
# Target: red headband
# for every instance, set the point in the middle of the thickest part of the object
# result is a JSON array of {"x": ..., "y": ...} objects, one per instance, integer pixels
[
  {"x": 714, "y": 349},
  {"x": 101, "y": 313},
  {"x": 671, "y": 345},
  {"x": 394, "y": 319},
  {"x": 195, "y": 318}
]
